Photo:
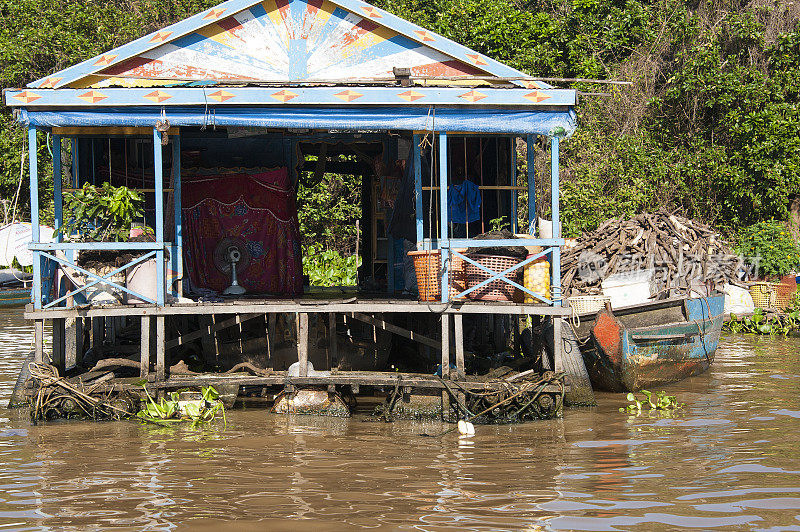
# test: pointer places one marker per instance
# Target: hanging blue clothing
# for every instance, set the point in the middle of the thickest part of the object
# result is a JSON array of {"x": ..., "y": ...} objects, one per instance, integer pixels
[{"x": 464, "y": 202}]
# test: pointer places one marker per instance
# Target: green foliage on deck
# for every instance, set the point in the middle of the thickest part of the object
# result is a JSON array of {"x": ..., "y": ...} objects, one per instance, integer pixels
[{"x": 709, "y": 126}]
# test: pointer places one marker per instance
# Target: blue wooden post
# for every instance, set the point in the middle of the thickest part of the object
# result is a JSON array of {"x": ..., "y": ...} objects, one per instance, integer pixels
[
  {"x": 417, "y": 162},
  {"x": 512, "y": 172},
  {"x": 555, "y": 283},
  {"x": 531, "y": 185},
  {"x": 390, "y": 255},
  {"x": 35, "y": 237},
  {"x": 58, "y": 205},
  {"x": 158, "y": 164},
  {"x": 75, "y": 164},
  {"x": 176, "y": 257},
  {"x": 444, "y": 234}
]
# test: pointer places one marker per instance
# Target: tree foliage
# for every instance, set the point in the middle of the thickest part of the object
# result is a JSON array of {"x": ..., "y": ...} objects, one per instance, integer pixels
[{"x": 709, "y": 126}]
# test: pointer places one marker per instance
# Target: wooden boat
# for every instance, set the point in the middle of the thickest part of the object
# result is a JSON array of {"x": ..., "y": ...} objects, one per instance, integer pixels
[
  {"x": 646, "y": 345},
  {"x": 14, "y": 297},
  {"x": 15, "y": 288}
]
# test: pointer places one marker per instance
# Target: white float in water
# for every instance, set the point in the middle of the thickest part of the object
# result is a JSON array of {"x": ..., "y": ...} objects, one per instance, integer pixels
[{"x": 466, "y": 428}]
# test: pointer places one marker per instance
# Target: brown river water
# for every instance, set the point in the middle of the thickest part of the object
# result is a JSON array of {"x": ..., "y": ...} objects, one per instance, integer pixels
[{"x": 729, "y": 461}]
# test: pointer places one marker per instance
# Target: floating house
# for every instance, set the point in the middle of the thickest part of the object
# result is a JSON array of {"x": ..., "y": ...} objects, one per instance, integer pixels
[{"x": 216, "y": 119}]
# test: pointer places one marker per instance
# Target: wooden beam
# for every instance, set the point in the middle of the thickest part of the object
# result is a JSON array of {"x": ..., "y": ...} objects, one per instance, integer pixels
[
  {"x": 272, "y": 327},
  {"x": 210, "y": 329},
  {"x": 58, "y": 358},
  {"x": 98, "y": 334},
  {"x": 459, "y": 334},
  {"x": 106, "y": 131},
  {"x": 485, "y": 187},
  {"x": 292, "y": 306},
  {"x": 73, "y": 340},
  {"x": 558, "y": 345},
  {"x": 134, "y": 189},
  {"x": 302, "y": 343},
  {"x": 144, "y": 346},
  {"x": 445, "y": 364},
  {"x": 405, "y": 333},
  {"x": 160, "y": 348},
  {"x": 333, "y": 340},
  {"x": 38, "y": 341}
]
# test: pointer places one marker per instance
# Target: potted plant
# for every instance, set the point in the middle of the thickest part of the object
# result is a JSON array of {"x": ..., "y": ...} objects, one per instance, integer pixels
[
  {"x": 770, "y": 246},
  {"x": 101, "y": 213}
]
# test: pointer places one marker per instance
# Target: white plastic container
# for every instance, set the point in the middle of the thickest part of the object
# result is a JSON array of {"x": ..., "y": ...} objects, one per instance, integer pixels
[
  {"x": 629, "y": 288},
  {"x": 142, "y": 280}
]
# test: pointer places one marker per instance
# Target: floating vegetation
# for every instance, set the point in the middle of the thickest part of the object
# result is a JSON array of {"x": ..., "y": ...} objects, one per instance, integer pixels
[
  {"x": 765, "y": 323},
  {"x": 661, "y": 402},
  {"x": 175, "y": 410},
  {"x": 58, "y": 398}
]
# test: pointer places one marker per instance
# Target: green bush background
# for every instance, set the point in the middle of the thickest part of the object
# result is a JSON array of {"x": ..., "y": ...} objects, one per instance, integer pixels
[{"x": 709, "y": 126}]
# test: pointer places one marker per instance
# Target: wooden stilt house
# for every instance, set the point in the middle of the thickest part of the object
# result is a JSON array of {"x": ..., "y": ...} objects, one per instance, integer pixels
[{"x": 215, "y": 119}]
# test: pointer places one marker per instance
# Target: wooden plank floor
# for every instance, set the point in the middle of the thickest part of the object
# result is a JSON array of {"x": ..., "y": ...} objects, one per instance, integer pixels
[
  {"x": 418, "y": 381},
  {"x": 314, "y": 304}
]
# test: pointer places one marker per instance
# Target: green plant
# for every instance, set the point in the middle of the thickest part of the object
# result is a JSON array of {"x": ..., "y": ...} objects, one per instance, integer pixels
[
  {"x": 499, "y": 224},
  {"x": 99, "y": 213},
  {"x": 771, "y": 244},
  {"x": 662, "y": 401},
  {"x": 173, "y": 410},
  {"x": 329, "y": 267},
  {"x": 760, "y": 323}
]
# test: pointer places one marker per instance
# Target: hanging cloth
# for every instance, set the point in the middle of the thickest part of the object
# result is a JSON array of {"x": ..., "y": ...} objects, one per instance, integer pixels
[{"x": 464, "y": 202}]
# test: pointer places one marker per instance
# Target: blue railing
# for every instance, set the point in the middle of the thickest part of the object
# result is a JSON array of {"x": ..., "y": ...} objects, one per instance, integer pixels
[
  {"x": 50, "y": 252},
  {"x": 46, "y": 255},
  {"x": 448, "y": 246}
]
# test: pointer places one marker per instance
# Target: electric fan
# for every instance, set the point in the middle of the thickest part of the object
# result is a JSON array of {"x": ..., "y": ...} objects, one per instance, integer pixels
[{"x": 231, "y": 256}]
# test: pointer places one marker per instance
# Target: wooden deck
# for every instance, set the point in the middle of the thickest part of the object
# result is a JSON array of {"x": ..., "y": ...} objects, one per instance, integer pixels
[
  {"x": 377, "y": 311},
  {"x": 310, "y": 304},
  {"x": 354, "y": 379}
]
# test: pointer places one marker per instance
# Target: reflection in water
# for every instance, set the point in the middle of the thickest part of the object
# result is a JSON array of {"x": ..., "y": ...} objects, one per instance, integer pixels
[{"x": 730, "y": 459}]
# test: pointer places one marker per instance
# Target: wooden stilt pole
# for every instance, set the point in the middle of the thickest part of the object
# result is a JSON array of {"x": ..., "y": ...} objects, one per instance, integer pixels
[
  {"x": 161, "y": 343},
  {"x": 38, "y": 341},
  {"x": 302, "y": 343},
  {"x": 144, "y": 360},
  {"x": 445, "y": 363},
  {"x": 58, "y": 358},
  {"x": 333, "y": 352},
  {"x": 272, "y": 327},
  {"x": 558, "y": 345},
  {"x": 98, "y": 332},
  {"x": 459, "y": 339},
  {"x": 73, "y": 341}
]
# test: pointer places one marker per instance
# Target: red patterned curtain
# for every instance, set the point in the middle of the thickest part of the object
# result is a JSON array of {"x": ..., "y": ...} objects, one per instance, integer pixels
[{"x": 257, "y": 206}]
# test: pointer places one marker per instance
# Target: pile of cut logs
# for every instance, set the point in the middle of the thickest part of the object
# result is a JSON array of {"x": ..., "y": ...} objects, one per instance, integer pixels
[{"x": 681, "y": 252}]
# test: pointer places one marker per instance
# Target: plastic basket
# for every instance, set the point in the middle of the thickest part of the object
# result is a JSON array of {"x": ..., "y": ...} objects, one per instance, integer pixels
[
  {"x": 785, "y": 291},
  {"x": 764, "y": 294},
  {"x": 536, "y": 278},
  {"x": 427, "y": 266},
  {"x": 588, "y": 304},
  {"x": 497, "y": 290}
]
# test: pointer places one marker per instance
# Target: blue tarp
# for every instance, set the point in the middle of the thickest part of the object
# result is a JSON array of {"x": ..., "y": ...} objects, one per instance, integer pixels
[{"x": 551, "y": 122}]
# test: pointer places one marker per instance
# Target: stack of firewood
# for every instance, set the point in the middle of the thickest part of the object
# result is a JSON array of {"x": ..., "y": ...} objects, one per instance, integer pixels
[{"x": 681, "y": 252}]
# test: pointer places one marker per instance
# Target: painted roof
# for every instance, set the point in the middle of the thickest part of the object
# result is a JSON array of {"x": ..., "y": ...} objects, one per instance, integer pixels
[{"x": 274, "y": 41}]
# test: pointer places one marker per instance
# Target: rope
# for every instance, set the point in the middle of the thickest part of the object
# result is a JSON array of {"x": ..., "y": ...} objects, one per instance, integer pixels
[
  {"x": 505, "y": 396},
  {"x": 49, "y": 380}
]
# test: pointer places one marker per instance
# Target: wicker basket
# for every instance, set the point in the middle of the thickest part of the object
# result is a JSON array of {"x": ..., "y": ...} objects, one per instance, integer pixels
[
  {"x": 427, "y": 266},
  {"x": 764, "y": 294},
  {"x": 497, "y": 290},
  {"x": 785, "y": 291},
  {"x": 588, "y": 304}
]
